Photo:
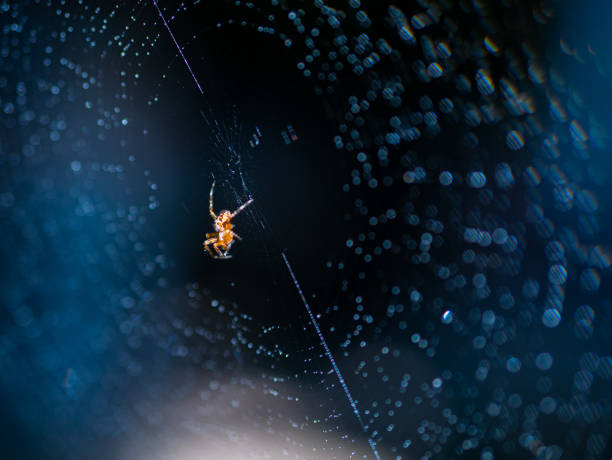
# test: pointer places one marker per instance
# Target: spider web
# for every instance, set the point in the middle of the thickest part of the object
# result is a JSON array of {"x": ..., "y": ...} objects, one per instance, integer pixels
[
  {"x": 470, "y": 312},
  {"x": 229, "y": 145}
]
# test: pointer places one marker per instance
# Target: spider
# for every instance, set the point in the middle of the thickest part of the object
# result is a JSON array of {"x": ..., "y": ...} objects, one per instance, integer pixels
[{"x": 223, "y": 238}]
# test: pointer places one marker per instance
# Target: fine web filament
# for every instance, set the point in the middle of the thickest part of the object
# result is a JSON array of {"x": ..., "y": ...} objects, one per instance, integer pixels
[
  {"x": 177, "y": 46},
  {"x": 329, "y": 354}
]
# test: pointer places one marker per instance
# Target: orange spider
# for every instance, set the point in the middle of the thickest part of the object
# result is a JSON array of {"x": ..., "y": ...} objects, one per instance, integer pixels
[{"x": 223, "y": 238}]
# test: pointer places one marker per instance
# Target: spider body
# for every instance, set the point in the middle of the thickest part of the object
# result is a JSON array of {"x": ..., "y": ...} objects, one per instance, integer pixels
[{"x": 222, "y": 239}]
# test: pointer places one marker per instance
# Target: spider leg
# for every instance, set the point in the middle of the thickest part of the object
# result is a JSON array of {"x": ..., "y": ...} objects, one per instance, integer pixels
[
  {"x": 216, "y": 246},
  {"x": 241, "y": 208},
  {"x": 229, "y": 246},
  {"x": 236, "y": 236},
  {"x": 208, "y": 242},
  {"x": 210, "y": 202}
]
